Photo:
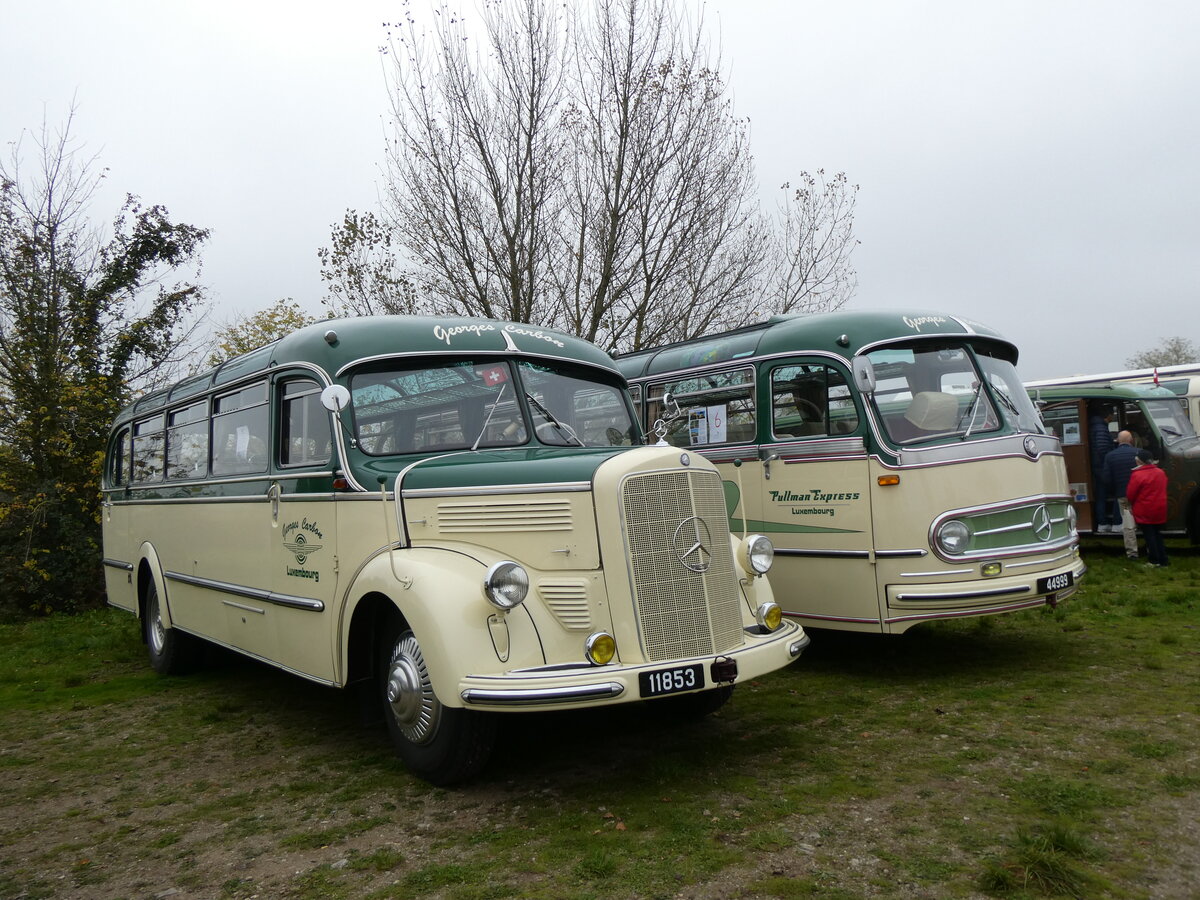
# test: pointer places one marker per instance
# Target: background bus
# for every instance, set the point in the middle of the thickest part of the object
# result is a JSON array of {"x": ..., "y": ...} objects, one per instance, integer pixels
[
  {"x": 1152, "y": 414},
  {"x": 1181, "y": 380},
  {"x": 447, "y": 512},
  {"x": 895, "y": 461}
]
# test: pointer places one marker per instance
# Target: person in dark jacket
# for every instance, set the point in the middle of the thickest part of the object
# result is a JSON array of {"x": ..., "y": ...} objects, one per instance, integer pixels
[
  {"x": 1147, "y": 493},
  {"x": 1100, "y": 442},
  {"x": 1117, "y": 466}
]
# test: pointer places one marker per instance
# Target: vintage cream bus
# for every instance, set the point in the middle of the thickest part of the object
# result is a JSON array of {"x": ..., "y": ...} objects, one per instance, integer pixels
[
  {"x": 1157, "y": 421},
  {"x": 449, "y": 511},
  {"x": 1181, "y": 380},
  {"x": 894, "y": 459}
]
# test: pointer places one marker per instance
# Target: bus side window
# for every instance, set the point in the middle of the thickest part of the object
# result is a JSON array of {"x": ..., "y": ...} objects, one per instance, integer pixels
[
  {"x": 811, "y": 401},
  {"x": 187, "y": 442},
  {"x": 717, "y": 408},
  {"x": 305, "y": 438},
  {"x": 118, "y": 473},
  {"x": 239, "y": 428},
  {"x": 148, "y": 446}
]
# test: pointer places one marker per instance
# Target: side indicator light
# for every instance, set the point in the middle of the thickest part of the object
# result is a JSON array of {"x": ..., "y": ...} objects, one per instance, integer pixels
[{"x": 888, "y": 480}]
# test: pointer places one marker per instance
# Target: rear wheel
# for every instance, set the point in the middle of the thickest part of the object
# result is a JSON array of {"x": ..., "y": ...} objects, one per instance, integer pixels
[
  {"x": 172, "y": 652},
  {"x": 441, "y": 744}
]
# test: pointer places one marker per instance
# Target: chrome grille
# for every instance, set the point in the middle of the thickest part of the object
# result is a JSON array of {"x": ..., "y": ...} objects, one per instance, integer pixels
[{"x": 681, "y": 612}]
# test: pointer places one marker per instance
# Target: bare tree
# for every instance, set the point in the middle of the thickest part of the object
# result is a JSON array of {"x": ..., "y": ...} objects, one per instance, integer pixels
[
  {"x": 1172, "y": 351},
  {"x": 581, "y": 166}
]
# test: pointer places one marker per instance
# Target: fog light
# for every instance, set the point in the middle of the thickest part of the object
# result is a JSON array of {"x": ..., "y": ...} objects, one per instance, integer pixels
[
  {"x": 990, "y": 570},
  {"x": 769, "y": 616},
  {"x": 600, "y": 648}
]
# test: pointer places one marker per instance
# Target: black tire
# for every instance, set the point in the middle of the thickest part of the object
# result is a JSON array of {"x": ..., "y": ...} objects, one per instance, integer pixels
[
  {"x": 172, "y": 652},
  {"x": 440, "y": 744},
  {"x": 693, "y": 706}
]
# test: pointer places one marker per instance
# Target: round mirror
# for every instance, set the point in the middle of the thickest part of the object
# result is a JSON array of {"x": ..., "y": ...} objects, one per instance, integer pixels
[{"x": 335, "y": 398}]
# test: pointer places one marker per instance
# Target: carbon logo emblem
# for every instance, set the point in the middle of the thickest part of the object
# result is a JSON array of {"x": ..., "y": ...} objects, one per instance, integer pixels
[{"x": 691, "y": 544}]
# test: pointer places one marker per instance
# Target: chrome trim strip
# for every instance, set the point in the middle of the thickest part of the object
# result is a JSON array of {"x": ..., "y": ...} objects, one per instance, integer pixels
[
  {"x": 491, "y": 490},
  {"x": 824, "y": 554},
  {"x": 901, "y": 554},
  {"x": 937, "y": 574},
  {"x": 117, "y": 564},
  {"x": 244, "y": 607},
  {"x": 853, "y": 619},
  {"x": 534, "y": 696},
  {"x": 1042, "y": 562},
  {"x": 968, "y": 595},
  {"x": 304, "y": 603}
]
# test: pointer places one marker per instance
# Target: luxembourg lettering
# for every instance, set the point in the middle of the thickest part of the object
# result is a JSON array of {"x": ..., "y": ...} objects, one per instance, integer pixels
[{"x": 304, "y": 573}]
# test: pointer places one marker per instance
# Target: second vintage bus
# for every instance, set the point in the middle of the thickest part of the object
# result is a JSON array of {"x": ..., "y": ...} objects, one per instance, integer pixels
[{"x": 895, "y": 460}]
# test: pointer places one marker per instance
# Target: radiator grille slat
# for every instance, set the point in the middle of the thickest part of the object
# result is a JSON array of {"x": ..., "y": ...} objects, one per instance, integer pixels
[{"x": 682, "y": 612}]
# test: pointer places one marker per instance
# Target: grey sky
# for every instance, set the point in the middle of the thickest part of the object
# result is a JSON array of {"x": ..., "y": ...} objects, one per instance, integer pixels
[{"x": 1034, "y": 165}]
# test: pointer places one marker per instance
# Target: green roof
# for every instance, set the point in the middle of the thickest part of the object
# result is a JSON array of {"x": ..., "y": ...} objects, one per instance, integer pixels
[{"x": 845, "y": 334}]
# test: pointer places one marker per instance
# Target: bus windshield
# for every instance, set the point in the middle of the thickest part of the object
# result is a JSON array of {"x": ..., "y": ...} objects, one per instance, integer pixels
[
  {"x": 465, "y": 404},
  {"x": 937, "y": 391},
  {"x": 1170, "y": 419}
]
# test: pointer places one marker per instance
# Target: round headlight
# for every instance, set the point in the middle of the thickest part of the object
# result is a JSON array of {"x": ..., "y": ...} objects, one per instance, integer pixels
[
  {"x": 953, "y": 536},
  {"x": 756, "y": 554},
  {"x": 506, "y": 585},
  {"x": 770, "y": 616},
  {"x": 1072, "y": 518},
  {"x": 600, "y": 648}
]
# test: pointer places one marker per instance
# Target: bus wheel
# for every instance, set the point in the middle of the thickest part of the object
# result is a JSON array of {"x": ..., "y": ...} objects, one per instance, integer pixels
[
  {"x": 172, "y": 652},
  {"x": 693, "y": 706},
  {"x": 441, "y": 744}
]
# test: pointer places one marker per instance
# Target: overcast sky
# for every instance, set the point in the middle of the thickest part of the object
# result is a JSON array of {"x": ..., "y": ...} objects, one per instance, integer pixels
[{"x": 1034, "y": 165}]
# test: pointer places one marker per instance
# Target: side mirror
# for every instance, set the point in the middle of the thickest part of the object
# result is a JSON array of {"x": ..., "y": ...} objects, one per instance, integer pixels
[
  {"x": 864, "y": 375},
  {"x": 335, "y": 398}
]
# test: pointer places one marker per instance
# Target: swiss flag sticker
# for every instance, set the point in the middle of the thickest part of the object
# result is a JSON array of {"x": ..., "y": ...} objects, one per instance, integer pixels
[{"x": 493, "y": 376}]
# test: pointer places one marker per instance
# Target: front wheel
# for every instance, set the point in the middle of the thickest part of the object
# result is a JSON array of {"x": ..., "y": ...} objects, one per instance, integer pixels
[
  {"x": 440, "y": 744},
  {"x": 172, "y": 652}
]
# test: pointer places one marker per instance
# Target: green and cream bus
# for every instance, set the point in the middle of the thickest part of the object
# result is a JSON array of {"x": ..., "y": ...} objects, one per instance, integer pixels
[
  {"x": 1157, "y": 421},
  {"x": 449, "y": 512},
  {"x": 894, "y": 460}
]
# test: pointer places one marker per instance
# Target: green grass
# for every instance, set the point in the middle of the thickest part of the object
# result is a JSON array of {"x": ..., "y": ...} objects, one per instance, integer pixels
[{"x": 1049, "y": 753}]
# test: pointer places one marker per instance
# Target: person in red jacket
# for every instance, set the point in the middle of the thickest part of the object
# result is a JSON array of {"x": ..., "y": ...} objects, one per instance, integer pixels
[{"x": 1147, "y": 493}]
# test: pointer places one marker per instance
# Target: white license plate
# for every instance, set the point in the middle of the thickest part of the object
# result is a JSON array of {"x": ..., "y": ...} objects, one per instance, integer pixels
[
  {"x": 1055, "y": 583},
  {"x": 661, "y": 682}
]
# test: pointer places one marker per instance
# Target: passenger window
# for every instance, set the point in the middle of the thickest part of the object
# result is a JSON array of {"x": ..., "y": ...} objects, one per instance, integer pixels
[
  {"x": 118, "y": 473},
  {"x": 148, "y": 450},
  {"x": 716, "y": 408},
  {"x": 305, "y": 438},
  {"x": 187, "y": 442},
  {"x": 240, "y": 419},
  {"x": 811, "y": 401}
]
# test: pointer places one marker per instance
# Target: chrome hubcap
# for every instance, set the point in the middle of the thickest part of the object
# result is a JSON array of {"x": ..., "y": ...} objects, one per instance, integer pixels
[{"x": 409, "y": 694}]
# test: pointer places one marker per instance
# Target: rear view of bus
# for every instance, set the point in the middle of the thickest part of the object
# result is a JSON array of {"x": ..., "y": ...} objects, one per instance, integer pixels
[{"x": 895, "y": 461}]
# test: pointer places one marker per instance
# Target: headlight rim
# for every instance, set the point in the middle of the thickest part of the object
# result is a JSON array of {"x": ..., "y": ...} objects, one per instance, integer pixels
[
  {"x": 756, "y": 547},
  {"x": 493, "y": 591}
]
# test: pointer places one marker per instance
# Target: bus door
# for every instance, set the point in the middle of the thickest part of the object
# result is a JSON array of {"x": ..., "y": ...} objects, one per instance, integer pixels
[
  {"x": 303, "y": 529},
  {"x": 1069, "y": 421},
  {"x": 814, "y": 500}
]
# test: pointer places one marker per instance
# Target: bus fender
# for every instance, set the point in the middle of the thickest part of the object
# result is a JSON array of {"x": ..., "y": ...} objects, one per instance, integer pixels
[
  {"x": 440, "y": 595},
  {"x": 148, "y": 562}
]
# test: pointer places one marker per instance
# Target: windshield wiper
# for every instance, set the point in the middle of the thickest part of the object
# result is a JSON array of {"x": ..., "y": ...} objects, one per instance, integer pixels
[
  {"x": 564, "y": 430},
  {"x": 969, "y": 415},
  {"x": 488, "y": 418}
]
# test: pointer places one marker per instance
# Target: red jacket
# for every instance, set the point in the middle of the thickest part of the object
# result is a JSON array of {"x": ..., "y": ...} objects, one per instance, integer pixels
[{"x": 1147, "y": 494}]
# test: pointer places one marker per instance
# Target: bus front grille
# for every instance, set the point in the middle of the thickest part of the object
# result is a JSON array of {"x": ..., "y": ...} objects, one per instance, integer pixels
[{"x": 684, "y": 584}]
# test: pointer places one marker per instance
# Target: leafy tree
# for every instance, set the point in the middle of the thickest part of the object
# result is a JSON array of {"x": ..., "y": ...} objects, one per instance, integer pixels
[
  {"x": 583, "y": 168},
  {"x": 82, "y": 318},
  {"x": 249, "y": 332},
  {"x": 1173, "y": 351}
]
